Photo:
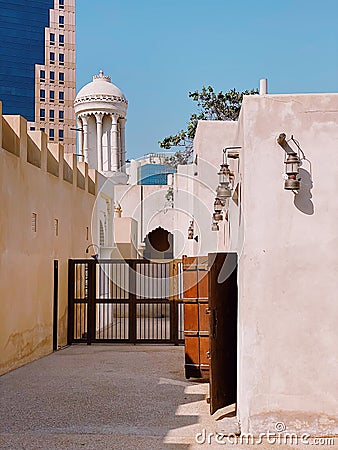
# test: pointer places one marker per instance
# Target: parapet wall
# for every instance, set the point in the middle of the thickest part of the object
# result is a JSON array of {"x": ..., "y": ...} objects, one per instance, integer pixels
[{"x": 32, "y": 147}]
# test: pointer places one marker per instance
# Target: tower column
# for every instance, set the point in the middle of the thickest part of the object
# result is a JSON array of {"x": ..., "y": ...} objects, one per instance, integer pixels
[
  {"x": 85, "y": 137},
  {"x": 98, "y": 118},
  {"x": 115, "y": 163},
  {"x": 123, "y": 143},
  {"x": 80, "y": 135}
]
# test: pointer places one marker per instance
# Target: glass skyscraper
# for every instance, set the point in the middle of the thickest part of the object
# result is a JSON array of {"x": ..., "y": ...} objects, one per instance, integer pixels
[
  {"x": 22, "y": 45},
  {"x": 38, "y": 66}
]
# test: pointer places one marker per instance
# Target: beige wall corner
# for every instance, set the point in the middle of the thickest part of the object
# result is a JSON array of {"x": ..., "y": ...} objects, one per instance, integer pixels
[{"x": 125, "y": 237}]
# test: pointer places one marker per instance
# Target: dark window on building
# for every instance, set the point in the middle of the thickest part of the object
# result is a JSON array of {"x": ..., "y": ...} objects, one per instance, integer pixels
[
  {"x": 51, "y": 95},
  {"x": 61, "y": 58},
  {"x": 32, "y": 128},
  {"x": 61, "y": 4},
  {"x": 51, "y": 134},
  {"x": 61, "y": 39},
  {"x": 42, "y": 74},
  {"x": 52, "y": 57},
  {"x": 61, "y": 21},
  {"x": 61, "y": 77},
  {"x": 52, "y": 38},
  {"x": 61, "y": 116},
  {"x": 51, "y": 114},
  {"x": 42, "y": 94},
  {"x": 61, "y": 135},
  {"x": 56, "y": 227},
  {"x": 52, "y": 76},
  {"x": 42, "y": 114},
  {"x": 61, "y": 96},
  {"x": 34, "y": 222}
]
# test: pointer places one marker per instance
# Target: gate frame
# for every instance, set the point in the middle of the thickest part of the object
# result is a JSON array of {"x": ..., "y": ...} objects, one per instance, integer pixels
[{"x": 173, "y": 300}]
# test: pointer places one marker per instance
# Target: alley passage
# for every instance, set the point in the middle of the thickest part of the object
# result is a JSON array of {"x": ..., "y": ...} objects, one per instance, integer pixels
[{"x": 101, "y": 397}]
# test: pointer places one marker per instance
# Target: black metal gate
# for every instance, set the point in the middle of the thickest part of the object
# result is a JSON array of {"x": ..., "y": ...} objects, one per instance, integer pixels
[{"x": 134, "y": 301}]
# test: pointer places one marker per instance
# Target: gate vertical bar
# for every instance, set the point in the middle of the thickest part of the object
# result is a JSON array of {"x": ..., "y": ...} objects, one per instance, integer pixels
[
  {"x": 132, "y": 301},
  {"x": 173, "y": 302},
  {"x": 70, "y": 331},
  {"x": 55, "y": 304},
  {"x": 91, "y": 313}
]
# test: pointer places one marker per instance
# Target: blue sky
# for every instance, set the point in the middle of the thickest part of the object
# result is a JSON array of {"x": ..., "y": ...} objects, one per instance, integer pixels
[{"x": 156, "y": 51}]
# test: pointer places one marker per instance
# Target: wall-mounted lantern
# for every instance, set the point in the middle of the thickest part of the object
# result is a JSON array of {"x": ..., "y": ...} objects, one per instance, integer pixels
[
  {"x": 214, "y": 226},
  {"x": 292, "y": 163},
  {"x": 191, "y": 231},
  {"x": 218, "y": 206},
  {"x": 224, "y": 188}
]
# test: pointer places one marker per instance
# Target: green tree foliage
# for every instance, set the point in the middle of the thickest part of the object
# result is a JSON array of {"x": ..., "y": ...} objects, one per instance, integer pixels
[{"x": 211, "y": 106}]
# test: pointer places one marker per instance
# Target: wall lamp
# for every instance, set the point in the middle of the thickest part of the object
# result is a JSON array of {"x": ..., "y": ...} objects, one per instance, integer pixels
[
  {"x": 214, "y": 226},
  {"x": 191, "y": 231},
  {"x": 96, "y": 255},
  {"x": 292, "y": 164},
  {"x": 224, "y": 188}
]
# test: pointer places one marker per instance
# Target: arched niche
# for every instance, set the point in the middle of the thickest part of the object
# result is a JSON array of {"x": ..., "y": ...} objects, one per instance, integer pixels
[{"x": 159, "y": 244}]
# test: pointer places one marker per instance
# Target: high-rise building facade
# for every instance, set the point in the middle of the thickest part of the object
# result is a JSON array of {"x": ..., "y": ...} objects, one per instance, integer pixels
[
  {"x": 21, "y": 46},
  {"x": 37, "y": 65}
]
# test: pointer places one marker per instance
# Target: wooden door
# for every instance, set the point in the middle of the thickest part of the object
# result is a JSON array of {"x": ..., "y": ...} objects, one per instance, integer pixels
[
  {"x": 196, "y": 317},
  {"x": 223, "y": 295}
]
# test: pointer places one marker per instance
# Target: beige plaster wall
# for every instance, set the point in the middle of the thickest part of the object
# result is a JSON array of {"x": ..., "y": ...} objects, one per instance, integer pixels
[
  {"x": 212, "y": 136},
  {"x": 125, "y": 238},
  {"x": 288, "y": 270},
  {"x": 26, "y": 256},
  {"x": 210, "y": 140}
]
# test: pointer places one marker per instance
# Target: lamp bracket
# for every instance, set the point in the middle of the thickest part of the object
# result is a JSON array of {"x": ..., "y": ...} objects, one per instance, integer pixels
[{"x": 233, "y": 154}]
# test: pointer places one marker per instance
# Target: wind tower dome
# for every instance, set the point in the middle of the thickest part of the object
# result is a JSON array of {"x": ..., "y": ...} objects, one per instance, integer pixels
[{"x": 101, "y": 109}]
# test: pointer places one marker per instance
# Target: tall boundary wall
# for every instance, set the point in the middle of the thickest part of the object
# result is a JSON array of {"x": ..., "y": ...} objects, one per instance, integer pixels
[{"x": 47, "y": 199}]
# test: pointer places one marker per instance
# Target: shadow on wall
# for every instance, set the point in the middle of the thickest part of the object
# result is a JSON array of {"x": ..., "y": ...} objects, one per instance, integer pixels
[{"x": 302, "y": 200}]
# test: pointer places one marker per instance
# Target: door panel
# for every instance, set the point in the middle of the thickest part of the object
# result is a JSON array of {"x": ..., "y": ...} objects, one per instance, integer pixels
[
  {"x": 196, "y": 319},
  {"x": 204, "y": 318},
  {"x": 192, "y": 355},
  {"x": 203, "y": 286},
  {"x": 204, "y": 352},
  {"x": 190, "y": 284},
  {"x": 191, "y": 317},
  {"x": 223, "y": 295}
]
